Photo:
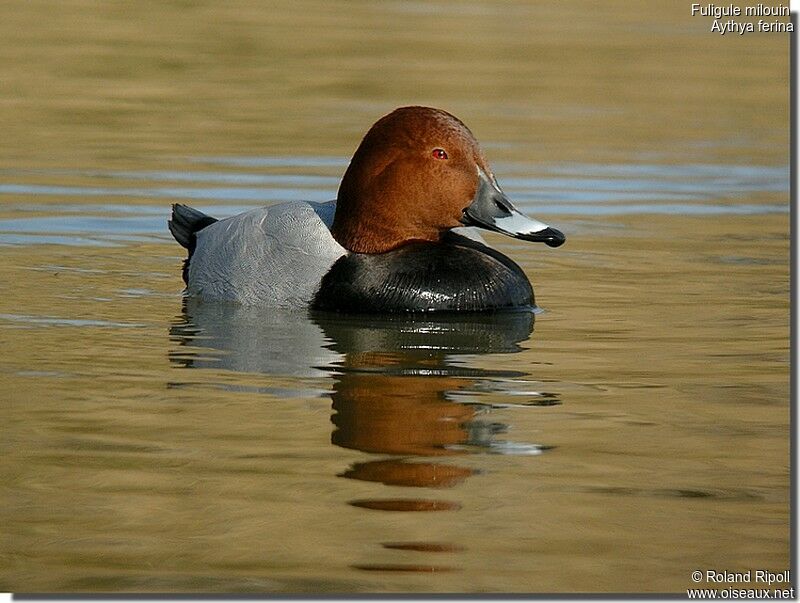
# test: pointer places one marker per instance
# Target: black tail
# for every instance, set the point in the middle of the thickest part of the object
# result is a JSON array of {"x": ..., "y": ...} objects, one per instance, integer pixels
[{"x": 185, "y": 223}]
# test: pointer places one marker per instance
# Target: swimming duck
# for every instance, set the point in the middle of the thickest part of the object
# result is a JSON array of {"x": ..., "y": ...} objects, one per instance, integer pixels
[{"x": 392, "y": 241}]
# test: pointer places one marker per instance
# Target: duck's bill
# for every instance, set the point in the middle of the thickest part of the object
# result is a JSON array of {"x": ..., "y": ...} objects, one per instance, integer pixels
[{"x": 492, "y": 210}]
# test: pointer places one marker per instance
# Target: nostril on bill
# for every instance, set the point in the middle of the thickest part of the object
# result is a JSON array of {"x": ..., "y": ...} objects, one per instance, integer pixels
[{"x": 502, "y": 207}]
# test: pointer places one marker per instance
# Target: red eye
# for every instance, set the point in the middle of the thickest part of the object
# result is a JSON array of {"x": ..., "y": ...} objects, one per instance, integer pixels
[{"x": 439, "y": 153}]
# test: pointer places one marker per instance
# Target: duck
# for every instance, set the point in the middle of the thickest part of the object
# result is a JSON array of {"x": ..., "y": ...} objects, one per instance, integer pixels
[{"x": 399, "y": 237}]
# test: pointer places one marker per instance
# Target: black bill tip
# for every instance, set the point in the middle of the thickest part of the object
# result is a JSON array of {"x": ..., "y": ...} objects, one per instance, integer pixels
[{"x": 549, "y": 236}]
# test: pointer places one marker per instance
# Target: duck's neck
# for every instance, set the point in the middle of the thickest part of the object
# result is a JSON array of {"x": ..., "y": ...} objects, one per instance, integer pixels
[{"x": 369, "y": 230}]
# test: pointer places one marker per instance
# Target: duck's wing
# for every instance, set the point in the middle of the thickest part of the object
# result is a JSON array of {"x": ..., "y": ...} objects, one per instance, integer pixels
[{"x": 270, "y": 256}]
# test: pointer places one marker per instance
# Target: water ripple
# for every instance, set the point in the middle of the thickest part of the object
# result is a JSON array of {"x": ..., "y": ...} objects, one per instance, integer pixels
[{"x": 589, "y": 190}]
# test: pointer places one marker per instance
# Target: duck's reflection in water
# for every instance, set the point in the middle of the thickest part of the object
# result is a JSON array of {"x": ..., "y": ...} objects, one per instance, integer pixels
[
  {"x": 393, "y": 396},
  {"x": 401, "y": 389}
]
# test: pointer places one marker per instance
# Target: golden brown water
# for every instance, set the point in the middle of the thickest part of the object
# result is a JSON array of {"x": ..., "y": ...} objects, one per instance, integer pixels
[{"x": 638, "y": 434}]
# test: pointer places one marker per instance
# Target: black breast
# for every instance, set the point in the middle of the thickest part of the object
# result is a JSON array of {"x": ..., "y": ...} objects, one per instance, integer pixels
[{"x": 455, "y": 275}]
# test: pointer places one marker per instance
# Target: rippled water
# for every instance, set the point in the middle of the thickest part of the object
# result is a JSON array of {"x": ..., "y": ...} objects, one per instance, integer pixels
[
  {"x": 634, "y": 430},
  {"x": 566, "y": 190}
]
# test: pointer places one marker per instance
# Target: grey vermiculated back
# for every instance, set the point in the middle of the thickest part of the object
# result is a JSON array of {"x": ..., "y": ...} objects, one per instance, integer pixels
[{"x": 270, "y": 256}]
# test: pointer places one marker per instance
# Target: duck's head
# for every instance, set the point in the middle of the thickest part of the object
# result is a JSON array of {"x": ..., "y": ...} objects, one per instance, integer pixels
[{"x": 418, "y": 173}]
